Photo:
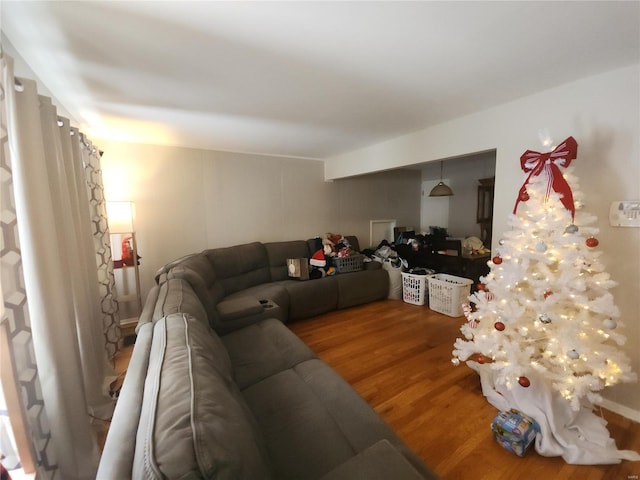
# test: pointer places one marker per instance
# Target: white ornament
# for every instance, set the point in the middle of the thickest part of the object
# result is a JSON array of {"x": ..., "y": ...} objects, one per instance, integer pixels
[
  {"x": 573, "y": 354},
  {"x": 610, "y": 324},
  {"x": 455, "y": 361},
  {"x": 541, "y": 246},
  {"x": 571, "y": 229}
]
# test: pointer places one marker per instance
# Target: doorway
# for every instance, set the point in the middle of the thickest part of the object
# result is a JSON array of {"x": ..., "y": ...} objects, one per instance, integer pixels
[{"x": 458, "y": 213}]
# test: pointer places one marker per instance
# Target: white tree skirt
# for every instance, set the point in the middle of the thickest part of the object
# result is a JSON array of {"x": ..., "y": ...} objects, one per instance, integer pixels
[{"x": 579, "y": 437}]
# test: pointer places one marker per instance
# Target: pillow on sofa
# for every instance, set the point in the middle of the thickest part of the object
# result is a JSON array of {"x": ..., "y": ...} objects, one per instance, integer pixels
[{"x": 195, "y": 423}]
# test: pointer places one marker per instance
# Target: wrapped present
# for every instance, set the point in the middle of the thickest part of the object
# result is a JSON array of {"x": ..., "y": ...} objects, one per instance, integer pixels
[{"x": 515, "y": 431}]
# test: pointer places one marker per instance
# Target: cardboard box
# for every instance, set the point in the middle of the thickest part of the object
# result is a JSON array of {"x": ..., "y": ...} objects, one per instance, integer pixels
[
  {"x": 298, "y": 268},
  {"x": 515, "y": 431}
]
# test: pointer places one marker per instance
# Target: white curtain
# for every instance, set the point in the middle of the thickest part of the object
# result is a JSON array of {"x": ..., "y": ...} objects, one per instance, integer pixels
[{"x": 57, "y": 232}]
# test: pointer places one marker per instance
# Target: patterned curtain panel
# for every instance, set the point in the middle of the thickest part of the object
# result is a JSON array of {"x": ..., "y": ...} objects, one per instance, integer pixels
[
  {"x": 58, "y": 290},
  {"x": 102, "y": 246},
  {"x": 15, "y": 308}
]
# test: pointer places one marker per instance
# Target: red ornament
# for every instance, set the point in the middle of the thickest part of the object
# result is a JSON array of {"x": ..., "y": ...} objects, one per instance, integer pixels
[
  {"x": 524, "y": 196},
  {"x": 497, "y": 260},
  {"x": 548, "y": 293},
  {"x": 481, "y": 286},
  {"x": 482, "y": 359},
  {"x": 592, "y": 242},
  {"x": 524, "y": 382},
  {"x": 499, "y": 326}
]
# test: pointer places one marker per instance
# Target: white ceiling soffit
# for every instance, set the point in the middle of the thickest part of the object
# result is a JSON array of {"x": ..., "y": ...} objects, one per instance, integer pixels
[{"x": 306, "y": 79}]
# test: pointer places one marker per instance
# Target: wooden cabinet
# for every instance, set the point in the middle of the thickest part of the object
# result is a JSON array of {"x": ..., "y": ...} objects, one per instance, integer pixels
[{"x": 484, "y": 215}]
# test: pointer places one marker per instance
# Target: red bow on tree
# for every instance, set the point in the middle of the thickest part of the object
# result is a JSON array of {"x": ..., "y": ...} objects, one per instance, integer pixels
[{"x": 550, "y": 162}]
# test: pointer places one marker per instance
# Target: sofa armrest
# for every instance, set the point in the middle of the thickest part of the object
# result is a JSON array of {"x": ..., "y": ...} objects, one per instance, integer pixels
[
  {"x": 268, "y": 309},
  {"x": 235, "y": 308},
  {"x": 118, "y": 454},
  {"x": 381, "y": 461},
  {"x": 372, "y": 265},
  {"x": 146, "y": 316}
]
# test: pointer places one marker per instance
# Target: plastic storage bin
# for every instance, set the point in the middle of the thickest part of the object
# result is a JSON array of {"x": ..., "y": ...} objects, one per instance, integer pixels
[
  {"x": 351, "y": 263},
  {"x": 447, "y": 293}
]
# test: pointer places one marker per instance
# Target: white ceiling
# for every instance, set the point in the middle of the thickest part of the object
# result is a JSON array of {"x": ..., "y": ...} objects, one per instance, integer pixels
[{"x": 307, "y": 79}]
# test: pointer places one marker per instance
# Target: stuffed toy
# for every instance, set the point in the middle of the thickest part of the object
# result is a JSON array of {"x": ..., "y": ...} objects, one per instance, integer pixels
[
  {"x": 327, "y": 244},
  {"x": 318, "y": 264},
  {"x": 336, "y": 245},
  {"x": 335, "y": 237},
  {"x": 318, "y": 259},
  {"x": 343, "y": 248}
]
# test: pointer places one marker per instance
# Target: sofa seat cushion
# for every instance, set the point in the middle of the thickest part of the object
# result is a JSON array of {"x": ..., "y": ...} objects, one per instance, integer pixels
[
  {"x": 381, "y": 461},
  {"x": 359, "y": 422},
  {"x": 273, "y": 291},
  {"x": 312, "y": 297},
  {"x": 301, "y": 437},
  {"x": 194, "y": 421},
  {"x": 365, "y": 286},
  {"x": 311, "y": 397},
  {"x": 263, "y": 349}
]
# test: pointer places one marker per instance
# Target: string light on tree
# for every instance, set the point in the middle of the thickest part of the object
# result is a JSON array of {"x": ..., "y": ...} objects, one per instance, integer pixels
[{"x": 550, "y": 310}]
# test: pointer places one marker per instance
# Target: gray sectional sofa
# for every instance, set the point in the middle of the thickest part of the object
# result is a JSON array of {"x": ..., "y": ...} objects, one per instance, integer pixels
[{"x": 219, "y": 388}]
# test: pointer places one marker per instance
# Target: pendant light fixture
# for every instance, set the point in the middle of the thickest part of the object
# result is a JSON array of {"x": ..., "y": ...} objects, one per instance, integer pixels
[{"x": 441, "y": 190}]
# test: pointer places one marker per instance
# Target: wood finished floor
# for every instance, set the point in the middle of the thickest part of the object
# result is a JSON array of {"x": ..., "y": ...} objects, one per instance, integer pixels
[{"x": 397, "y": 356}]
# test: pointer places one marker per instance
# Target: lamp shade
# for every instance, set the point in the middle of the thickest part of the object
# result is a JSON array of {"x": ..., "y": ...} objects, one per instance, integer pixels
[
  {"x": 120, "y": 217},
  {"x": 441, "y": 190}
]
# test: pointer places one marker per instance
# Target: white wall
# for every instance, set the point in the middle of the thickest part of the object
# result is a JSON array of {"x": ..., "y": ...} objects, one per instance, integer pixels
[
  {"x": 603, "y": 114},
  {"x": 188, "y": 200},
  {"x": 434, "y": 211},
  {"x": 22, "y": 69}
]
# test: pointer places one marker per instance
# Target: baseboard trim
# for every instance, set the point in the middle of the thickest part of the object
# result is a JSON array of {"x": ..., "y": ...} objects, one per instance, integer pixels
[{"x": 626, "y": 412}]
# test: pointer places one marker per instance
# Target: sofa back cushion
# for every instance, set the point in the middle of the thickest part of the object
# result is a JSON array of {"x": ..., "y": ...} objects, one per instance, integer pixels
[
  {"x": 161, "y": 274},
  {"x": 353, "y": 241},
  {"x": 240, "y": 267},
  {"x": 199, "y": 273},
  {"x": 278, "y": 252},
  {"x": 194, "y": 422},
  {"x": 176, "y": 295}
]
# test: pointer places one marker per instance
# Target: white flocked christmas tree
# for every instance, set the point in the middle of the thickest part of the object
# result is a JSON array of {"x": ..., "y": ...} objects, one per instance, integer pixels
[{"x": 545, "y": 307}]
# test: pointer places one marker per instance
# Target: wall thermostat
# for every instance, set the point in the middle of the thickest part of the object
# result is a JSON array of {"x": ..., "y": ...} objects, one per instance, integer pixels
[{"x": 624, "y": 213}]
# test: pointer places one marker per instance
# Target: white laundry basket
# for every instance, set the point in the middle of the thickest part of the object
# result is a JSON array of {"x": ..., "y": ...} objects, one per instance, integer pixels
[
  {"x": 414, "y": 288},
  {"x": 447, "y": 293}
]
